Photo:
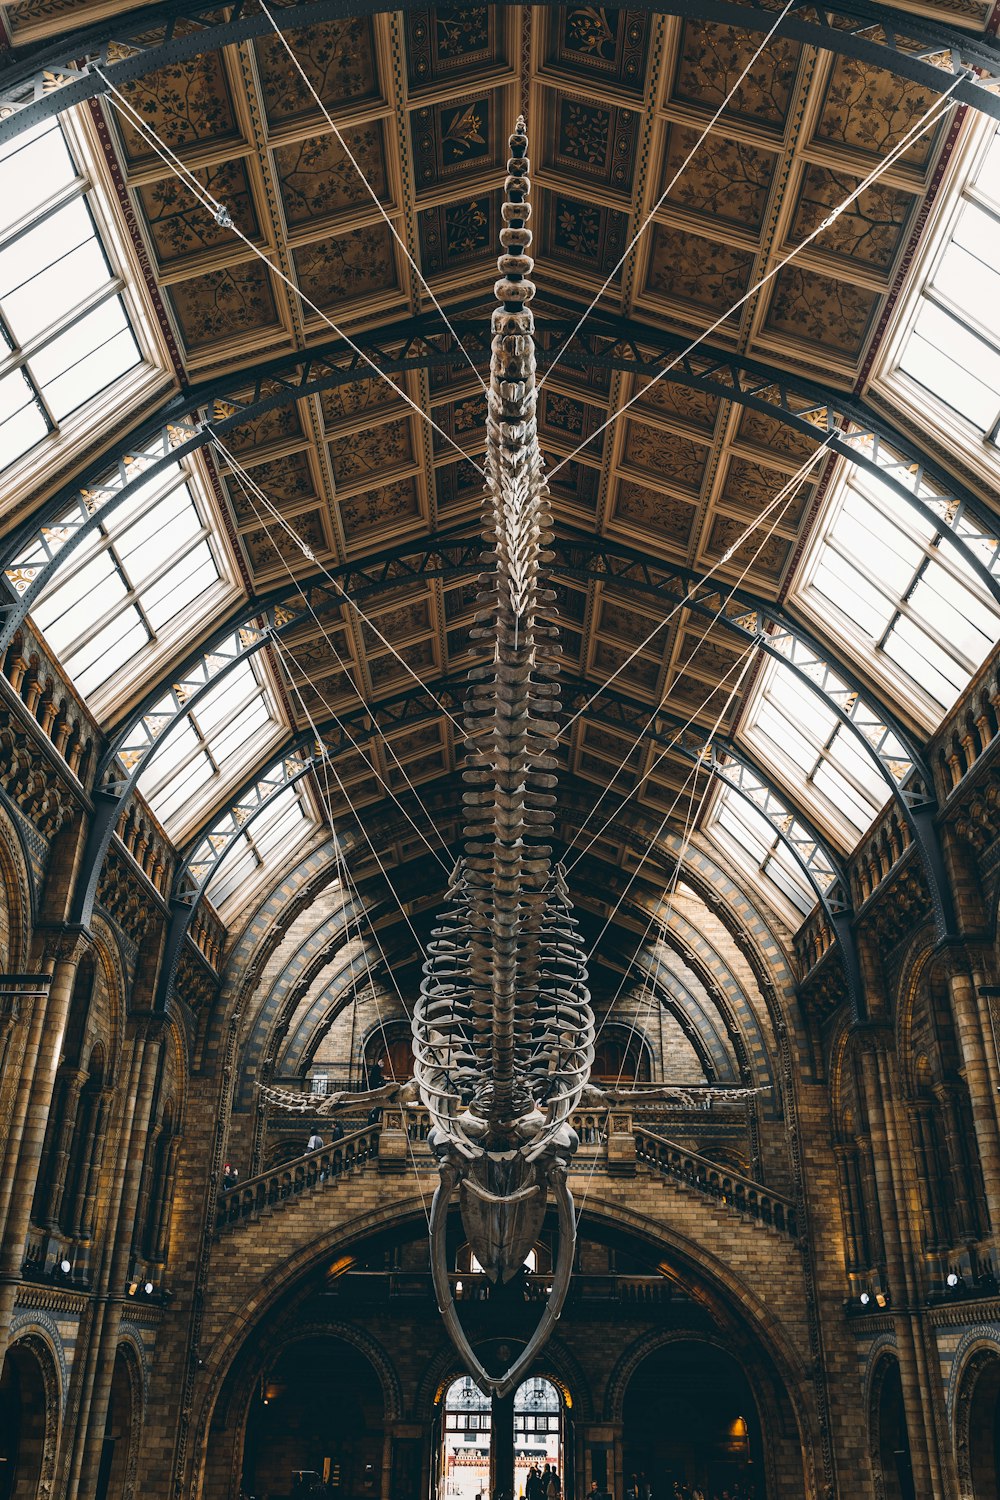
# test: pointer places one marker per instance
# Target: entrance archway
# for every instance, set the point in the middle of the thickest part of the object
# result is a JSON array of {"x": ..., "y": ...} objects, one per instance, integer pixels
[
  {"x": 466, "y": 1440},
  {"x": 690, "y": 1416},
  {"x": 27, "y": 1420},
  {"x": 316, "y": 1418},
  {"x": 978, "y": 1410},
  {"x": 890, "y": 1439},
  {"x": 538, "y": 1430}
]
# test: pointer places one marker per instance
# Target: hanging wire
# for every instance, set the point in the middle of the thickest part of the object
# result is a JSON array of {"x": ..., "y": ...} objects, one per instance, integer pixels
[
  {"x": 930, "y": 118},
  {"x": 220, "y": 213},
  {"x": 662, "y": 198},
  {"x": 372, "y": 193}
]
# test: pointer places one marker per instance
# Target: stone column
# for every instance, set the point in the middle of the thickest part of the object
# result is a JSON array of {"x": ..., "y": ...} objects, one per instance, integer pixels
[
  {"x": 935, "y": 1219},
  {"x": 40, "y": 1064},
  {"x": 111, "y": 1281},
  {"x": 59, "y": 1158},
  {"x": 962, "y": 991},
  {"x": 958, "y": 1163},
  {"x": 852, "y": 1243},
  {"x": 81, "y": 1215},
  {"x": 891, "y": 1193}
]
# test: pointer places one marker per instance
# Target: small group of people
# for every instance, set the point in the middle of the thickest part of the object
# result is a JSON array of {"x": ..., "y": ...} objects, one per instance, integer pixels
[
  {"x": 316, "y": 1141},
  {"x": 542, "y": 1484},
  {"x": 736, "y": 1491}
]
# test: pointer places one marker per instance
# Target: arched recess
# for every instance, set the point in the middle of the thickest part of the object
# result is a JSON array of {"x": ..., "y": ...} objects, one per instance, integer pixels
[
  {"x": 117, "y": 1475},
  {"x": 977, "y": 1424},
  {"x": 693, "y": 1413},
  {"x": 269, "y": 1359},
  {"x": 888, "y": 1438},
  {"x": 30, "y": 1408}
]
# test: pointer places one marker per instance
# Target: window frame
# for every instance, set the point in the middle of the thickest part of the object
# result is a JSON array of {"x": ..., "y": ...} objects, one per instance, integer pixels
[
  {"x": 241, "y": 896},
  {"x": 127, "y": 398},
  {"x": 917, "y": 406},
  {"x": 724, "y": 796}
]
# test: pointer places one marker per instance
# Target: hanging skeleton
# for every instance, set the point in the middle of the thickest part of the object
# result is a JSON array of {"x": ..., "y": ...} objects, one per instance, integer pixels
[{"x": 503, "y": 1030}]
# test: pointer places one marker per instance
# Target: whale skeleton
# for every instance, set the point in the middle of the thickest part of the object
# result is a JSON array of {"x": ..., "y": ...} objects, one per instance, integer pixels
[{"x": 503, "y": 1028}]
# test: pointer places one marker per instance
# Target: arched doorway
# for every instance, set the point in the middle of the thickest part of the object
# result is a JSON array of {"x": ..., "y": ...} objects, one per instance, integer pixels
[
  {"x": 690, "y": 1416},
  {"x": 979, "y": 1427},
  {"x": 116, "y": 1477},
  {"x": 890, "y": 1439},
  {"x": 466, "y": 1436},
  {"x": 27, "y": 1447},
  {"x": 316, "y": 1424},
  {"x": 538, "y": 1430}
]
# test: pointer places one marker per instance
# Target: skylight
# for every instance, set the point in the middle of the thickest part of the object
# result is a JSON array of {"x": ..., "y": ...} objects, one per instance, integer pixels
[
  {"x": 231, "y": 727},
  {"x": 951, "y": 347},
  {"x": 813, "y": 751},
  {"x": 746, "y": 835},
  {"x": 269, "y": 838},
  {"x": 121, "y": 593},
  {"x": 64, "y": 334},
  {"x": 881, "y": 580}
]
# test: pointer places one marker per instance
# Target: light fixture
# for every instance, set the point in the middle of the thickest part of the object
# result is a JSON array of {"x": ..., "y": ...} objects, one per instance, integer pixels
[
  {"x": 133, "y": 1288},
  {"x": 864, "y": 1299},
  {"x": 148, "y": 1288},
  {"x": 65, "y": 1267},
  {"x": 881, "y": 1299},
  {"x": 952, "y": 1278}
]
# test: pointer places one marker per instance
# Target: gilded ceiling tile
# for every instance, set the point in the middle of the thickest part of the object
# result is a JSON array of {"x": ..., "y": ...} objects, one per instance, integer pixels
[
  {"x": 420, "y": 769},
  {"x": 592, "y": 141},
  {"x": 664, "y": 455},
  {"x": 767, "y": 558},
  {"x": 705, "y": 657},
  {"x": 628, "y": 624},
  {"x": 338, "y": 58},
  {"x": 649, "y": 510},
  {"x": 711, "y": 59},
  {"x": 820, "y": 310},
  {"x": 571, "y": 604},
  {"x": 317, "y": 180},
  {"x": 372, "y": 452},
  {"x": 640, "y": 672},
  {"x": 693, "y": 407},
  {"x": 344, "y": 402},
  {"x": 463, "y": 420},
  {"x": 699, "y": 700},
  {"x": 462, "y": 135},
  {"x": 383, "y": 507},
  {"x": 871, "y": 110},
  {"x": 771, "y": 432},
  {"x": 568, "y": 419},
  {"x": 347, "y": 267},
  {"x": 282, "y": 424},
  {"x": 870, "y": 231},
  {"x": 418, "y": 655},
  {"x": 617, "y": 749},
  {"x": 751, "y": 488},
  {"x": 316, "y": 655},
  {"x": 572, "y": 646},
  {"x": 459, "y": 644},
  {"x": 226, "y": 304},
  {"x": 585, "y": 233},
  {"x": 335, "y": 690},
  {"x": 600, "y": 43},
  {"x": 459, "y": 601},
  {"x": 727, "y": 179},
  {"x": 453, "y": 235},
  {"x": 287, "y": 482},
  {"x": 268, "y": 546},
  {"x": 686, "y": 268},
  {"x": 395, "y": 625},
  {"x": 575, "y": 484},
  {"x": 457, "y": 484},
  {"x": 185, "y": 104},
  {"x": 180, "y": 228},
  {"x": 452, "y": 40},
  {"x": 601, "y": 771}
]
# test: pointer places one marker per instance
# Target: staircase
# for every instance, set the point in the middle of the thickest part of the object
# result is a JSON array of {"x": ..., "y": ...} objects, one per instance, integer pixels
[
  {"x": 710, "y": 1180},
  {"x": 315, "y": 1172}
]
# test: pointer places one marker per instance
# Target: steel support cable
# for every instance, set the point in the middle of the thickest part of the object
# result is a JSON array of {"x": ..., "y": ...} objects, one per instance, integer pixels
[
  {"x": 280, "y": 646},
  {"x": 221, "y": 215},
  {"x": 784, "y": 498},
  {"x": 930, "y": 118},
  {"x": 371, "y": 191},
  {"x": 553, "y": 363}
]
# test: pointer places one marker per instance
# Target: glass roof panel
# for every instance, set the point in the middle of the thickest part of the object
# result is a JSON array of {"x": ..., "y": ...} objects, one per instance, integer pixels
[
  {"x": 34, "y": 167},
  {"x": 745, "y": 833},
  {"x": 268, "y": 839}
]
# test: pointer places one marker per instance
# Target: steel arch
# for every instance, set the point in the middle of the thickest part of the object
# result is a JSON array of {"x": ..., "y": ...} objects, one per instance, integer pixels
[
  {"x": 50, "y": 78},
  {"x": 35, "y": 551}
]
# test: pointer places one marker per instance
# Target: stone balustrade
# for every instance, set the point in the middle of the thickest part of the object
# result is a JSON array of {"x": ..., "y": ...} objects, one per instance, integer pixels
[
  {"x": 248, "y": 1200},
  {"x": 711, "y": 1180}
]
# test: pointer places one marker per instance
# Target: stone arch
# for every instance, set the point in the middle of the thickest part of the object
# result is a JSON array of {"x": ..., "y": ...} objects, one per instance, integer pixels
[
  {"x": 231, "y": 1408},
  {"x": 32, "y": 1362},
  {"x": 126, "y": 1409},
  {"x": 15, "y": 899},
  {"x": 975, "y": 1384},
  {"x": 556, "y": 1363}
]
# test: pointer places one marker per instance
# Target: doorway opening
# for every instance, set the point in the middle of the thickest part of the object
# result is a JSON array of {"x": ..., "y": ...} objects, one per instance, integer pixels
[
  {"x": 465, "y": 1442},
  {"x": 538, "y": 1437}
]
